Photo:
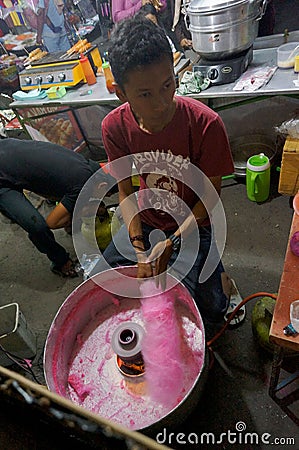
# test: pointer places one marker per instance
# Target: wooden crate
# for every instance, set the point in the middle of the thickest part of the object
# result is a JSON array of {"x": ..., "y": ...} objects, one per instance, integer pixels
[{"x": 289, "y": 172}]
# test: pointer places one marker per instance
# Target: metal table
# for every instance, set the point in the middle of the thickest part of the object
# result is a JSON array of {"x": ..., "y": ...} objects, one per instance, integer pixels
[
  {"x": 81, "y": 109},
  {"x": 280, "y": 84},
  {"x": 218, "y": 97}
]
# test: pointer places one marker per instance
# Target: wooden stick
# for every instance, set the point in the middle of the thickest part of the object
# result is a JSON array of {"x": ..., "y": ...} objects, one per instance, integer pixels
[
  {"x": 4, "y": 48},
  {"x": 147, "y": 442}
]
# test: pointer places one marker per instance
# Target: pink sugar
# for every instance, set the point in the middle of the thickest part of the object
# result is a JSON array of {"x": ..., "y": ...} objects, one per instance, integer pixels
[{"x": 96, "y": 383}]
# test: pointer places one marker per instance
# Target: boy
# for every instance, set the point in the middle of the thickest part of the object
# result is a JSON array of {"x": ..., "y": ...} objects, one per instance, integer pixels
[{"x": 180, "y": 148}]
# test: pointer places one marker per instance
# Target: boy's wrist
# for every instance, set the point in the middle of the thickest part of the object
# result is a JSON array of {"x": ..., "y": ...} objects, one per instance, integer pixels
[{"x": 141, "y": 257}]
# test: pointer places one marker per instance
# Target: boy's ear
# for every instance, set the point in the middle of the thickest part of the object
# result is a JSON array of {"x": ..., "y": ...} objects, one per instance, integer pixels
[{"x": 120, "y": 93}]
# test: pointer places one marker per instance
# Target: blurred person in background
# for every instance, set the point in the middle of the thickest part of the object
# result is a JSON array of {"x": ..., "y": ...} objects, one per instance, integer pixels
[
  {"x": 122, "y": 9},
  {"x": 51, "y": 29},
  {"x": 182, "y": 34},
  {"x": 267, "y": 22}
]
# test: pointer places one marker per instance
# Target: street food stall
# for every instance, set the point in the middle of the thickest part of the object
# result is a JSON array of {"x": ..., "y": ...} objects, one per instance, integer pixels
[
  {"x": 88, "y": 104},
  {"x": 233, "y": 67},
  {"x": 18, "y": 37},
  {"x": 226, "y": 74}
]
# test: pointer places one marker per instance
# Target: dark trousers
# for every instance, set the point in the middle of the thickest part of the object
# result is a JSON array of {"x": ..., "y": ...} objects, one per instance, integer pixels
[{"x": 15, "y": 205}]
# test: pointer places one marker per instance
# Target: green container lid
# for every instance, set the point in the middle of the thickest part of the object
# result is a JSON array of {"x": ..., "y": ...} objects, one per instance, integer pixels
[{"x": 258, "y": 162}]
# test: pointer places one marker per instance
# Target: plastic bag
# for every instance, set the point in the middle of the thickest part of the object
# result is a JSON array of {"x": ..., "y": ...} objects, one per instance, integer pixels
[
  {"x": 289, "y": 128},
  {"x": 88, "y": 262},
  {"x": 254, "y": 78}
]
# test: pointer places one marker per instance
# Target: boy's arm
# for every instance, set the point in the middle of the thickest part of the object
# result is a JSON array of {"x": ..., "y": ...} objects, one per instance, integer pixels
[
  {"x": 60, "y": 217},
  {"x": 130, "y": 213},
  {"x": 162, "y": 252},
  {"x": 40, "y": 25},
  {"x": 199, "y": 211}
]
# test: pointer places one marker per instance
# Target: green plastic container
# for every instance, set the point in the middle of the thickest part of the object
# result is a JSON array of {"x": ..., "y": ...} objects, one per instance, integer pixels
[{"x": 258, "y": 178}]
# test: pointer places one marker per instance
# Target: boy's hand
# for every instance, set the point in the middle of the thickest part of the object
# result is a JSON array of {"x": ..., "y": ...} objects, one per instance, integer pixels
[
  {"x": 159, "y": 259},
  {"x": 145, "y": 270},
  {"x": 157, "y": 4},
  {"x": 160, "y": 256}
]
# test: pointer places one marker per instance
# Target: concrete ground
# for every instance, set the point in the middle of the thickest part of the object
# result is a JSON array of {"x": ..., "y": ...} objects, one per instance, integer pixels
[{"x": 235, "y": 394}]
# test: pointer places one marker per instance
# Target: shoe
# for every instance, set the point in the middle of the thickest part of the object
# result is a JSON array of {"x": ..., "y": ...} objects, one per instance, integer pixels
[
  {"x": 68, "y": 270},
  {"x": 234, "y": 302}
]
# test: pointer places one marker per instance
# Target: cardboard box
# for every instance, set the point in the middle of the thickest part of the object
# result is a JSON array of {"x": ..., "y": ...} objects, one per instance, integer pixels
[{"x": 289, "y": 172}]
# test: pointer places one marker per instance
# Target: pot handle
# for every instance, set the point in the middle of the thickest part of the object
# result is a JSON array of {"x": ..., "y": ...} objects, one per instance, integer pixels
[
  {"x": 184, "y": 11},
  {"x": 262, "y": 9}
]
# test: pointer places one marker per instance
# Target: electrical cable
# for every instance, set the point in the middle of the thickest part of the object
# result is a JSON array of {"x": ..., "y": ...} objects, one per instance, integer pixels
[
  {"x": 21, "y": 362},
  {"x": 232, "y": 315}
]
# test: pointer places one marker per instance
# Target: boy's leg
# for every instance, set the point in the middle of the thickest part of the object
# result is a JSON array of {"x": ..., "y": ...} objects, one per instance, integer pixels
[
  {"x": 209, "y": 296},
  {"x": 17, "y": 207}
]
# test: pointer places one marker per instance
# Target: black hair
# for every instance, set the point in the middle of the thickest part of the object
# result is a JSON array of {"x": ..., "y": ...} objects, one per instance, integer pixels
[
  {"x": 148, "y": 8},
  {"x": 136, "y": 42}
]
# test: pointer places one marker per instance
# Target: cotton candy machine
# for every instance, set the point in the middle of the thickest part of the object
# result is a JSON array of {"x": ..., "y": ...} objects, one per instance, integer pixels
[{"x": 93, "y": 352}]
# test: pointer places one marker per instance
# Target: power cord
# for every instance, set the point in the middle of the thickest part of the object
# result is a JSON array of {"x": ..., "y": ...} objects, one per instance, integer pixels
[
  {"x": 20, "y": 362},
  {"x": 230, "y": 318}
]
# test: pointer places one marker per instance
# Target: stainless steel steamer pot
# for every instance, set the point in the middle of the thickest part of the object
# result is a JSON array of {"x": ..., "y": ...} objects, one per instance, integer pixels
[{"x": 223, "y": 28}]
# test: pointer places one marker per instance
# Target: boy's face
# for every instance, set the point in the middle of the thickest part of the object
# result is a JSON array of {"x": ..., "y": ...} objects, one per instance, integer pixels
[{"x": 150, "y": 92}]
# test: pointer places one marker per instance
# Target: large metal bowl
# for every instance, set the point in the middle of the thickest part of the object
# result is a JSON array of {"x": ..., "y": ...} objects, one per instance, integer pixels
[
  {"x": 244, "y": 147},
  {"x": 82, "y": 314}
]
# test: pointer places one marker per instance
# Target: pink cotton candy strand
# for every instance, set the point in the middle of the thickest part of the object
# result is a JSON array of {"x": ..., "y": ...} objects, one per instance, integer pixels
[{"x": 161, "y": 347}]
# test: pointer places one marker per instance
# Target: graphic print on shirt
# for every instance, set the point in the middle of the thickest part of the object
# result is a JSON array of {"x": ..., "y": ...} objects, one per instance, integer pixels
[{"x": 162, "y": 173}]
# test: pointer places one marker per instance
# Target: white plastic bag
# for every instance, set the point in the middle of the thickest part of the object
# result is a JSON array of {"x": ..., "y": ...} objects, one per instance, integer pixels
[{"x": 289, "y": 128}]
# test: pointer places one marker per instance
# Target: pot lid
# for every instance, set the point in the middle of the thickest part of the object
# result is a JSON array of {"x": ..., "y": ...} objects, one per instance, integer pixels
[{"x": 212, "y": 5}]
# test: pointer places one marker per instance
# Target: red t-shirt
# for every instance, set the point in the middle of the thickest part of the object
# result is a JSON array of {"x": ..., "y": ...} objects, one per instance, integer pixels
[{"x": 168, "y": 161}]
